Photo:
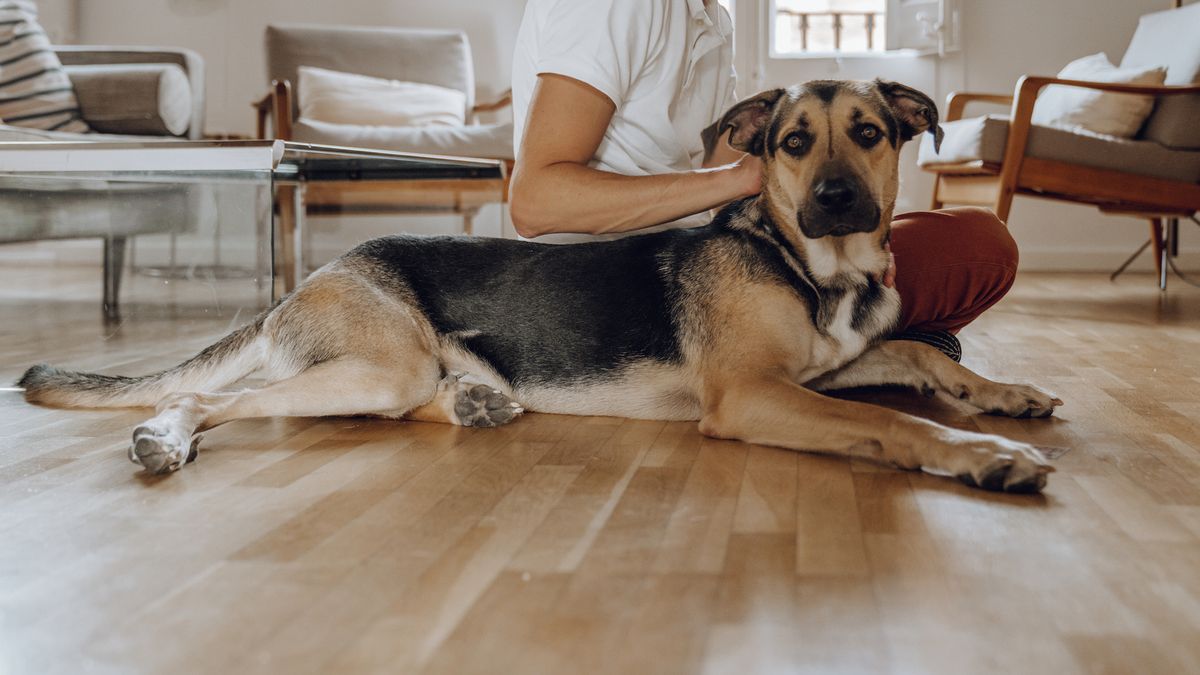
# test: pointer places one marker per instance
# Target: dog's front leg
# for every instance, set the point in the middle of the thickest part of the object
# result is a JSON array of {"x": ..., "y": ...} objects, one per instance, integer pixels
[
  {"x": 773, "y": 410},
  {"x": 918, "y": 365}
]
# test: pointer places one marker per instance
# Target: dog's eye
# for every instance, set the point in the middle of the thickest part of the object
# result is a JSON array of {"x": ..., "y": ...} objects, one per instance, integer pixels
[
  {"x": 797, "y": 143},
  {"x": 868, "y": 134}
]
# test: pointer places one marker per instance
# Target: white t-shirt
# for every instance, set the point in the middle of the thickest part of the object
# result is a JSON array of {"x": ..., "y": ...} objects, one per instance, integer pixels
[{"x": 667, "y": 65}]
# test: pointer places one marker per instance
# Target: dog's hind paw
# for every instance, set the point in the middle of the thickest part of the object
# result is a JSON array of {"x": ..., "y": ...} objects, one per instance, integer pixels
[
  {"x": 483, "y": 406},
  {"x": 161, "y": 450}
]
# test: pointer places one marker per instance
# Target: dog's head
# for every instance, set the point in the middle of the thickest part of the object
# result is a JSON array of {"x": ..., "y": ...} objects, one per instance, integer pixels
[{"x": 830, "y": 150}]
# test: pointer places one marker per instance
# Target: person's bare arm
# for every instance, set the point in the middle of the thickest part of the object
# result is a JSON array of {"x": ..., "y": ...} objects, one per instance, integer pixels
[{"x": 554, "y": 189}]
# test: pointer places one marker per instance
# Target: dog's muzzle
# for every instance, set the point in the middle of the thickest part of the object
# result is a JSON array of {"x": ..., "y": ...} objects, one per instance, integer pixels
[{"x": 839, "y": 206}]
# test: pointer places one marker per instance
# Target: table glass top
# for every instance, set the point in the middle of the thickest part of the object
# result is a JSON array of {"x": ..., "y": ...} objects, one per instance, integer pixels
[{"x": 285, "y": 160}]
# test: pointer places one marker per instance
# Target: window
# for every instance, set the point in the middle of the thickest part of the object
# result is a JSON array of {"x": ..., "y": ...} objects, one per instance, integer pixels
[
  {"x": 829, "y": 26},
  {"x": 838, "y": 27}
]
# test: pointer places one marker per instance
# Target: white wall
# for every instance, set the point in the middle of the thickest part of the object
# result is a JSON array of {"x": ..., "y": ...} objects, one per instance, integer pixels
[
  {"x": 60, "y": 19},
  {"x": 1002, "y": 40}
]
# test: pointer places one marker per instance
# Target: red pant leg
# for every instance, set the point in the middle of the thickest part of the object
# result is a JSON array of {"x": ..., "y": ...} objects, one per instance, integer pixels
[{"x": 951, "y": 265}]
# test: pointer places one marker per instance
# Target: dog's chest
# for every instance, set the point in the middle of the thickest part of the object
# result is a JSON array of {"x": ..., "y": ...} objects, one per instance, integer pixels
[{"x": 848, "y": 325}]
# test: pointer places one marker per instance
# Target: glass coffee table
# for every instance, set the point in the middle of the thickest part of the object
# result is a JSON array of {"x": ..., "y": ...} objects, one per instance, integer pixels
[{"x": 240, "y": 203}]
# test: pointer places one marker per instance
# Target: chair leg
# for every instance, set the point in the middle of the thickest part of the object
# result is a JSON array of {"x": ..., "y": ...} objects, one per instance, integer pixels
[
  {"x": 1159, "y": 251},
  {"x": 1003, "y": 205},
  {"x": 114, "y": 265},
  {"x": 937, "y": 184},
  {"x": 285, "y": 196}
]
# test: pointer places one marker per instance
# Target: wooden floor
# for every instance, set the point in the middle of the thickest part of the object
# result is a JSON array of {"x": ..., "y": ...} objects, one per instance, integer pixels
[{"x": 563, "y": 545}]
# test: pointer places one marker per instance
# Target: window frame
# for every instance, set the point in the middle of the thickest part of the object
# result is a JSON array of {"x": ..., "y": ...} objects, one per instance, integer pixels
[{"x": 950, "y": 18}]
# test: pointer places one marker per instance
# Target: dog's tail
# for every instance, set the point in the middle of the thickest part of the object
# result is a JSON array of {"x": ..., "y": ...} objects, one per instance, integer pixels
[{"x": 228, "y": 360}]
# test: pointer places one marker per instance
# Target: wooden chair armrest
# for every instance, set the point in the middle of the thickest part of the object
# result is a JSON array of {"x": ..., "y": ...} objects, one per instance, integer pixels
[
  {"x": 1035, "y": 83},
  {"x": 501, "y": 103},
  {"x": 958, "y": 100},
  {"x": 1025, "y": 95},
  {"x": 276, "y": 106}
]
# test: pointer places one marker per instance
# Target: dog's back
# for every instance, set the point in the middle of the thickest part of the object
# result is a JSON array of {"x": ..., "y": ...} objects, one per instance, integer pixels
[{"x": 539, "y": 313}]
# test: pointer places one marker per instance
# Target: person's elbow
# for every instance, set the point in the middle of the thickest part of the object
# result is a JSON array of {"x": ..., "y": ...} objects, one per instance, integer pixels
[
  {"x": 527, "y": 218},
  {"x": 532, "y": 215}
]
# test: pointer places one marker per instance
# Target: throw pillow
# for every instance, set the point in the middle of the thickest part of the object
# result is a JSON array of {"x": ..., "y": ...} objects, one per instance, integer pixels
[
  {"x": 347, "y": 98},
  {"x": 34, "y": 90},
  {"x": 1099, "y": 111}
]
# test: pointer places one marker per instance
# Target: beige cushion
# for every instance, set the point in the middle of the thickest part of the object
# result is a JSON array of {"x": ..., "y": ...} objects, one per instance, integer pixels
[
  {"x": 191, "y": 63},
  {"x": 439, "y": 57},
  {"x": 148, "y": 99},
  {"x": 489, "y": 141},
  {"x": 348, "y": 98},
  {"x": 34, "y": 90},
  {"x": 1170, "y": 39},
  {"x": 1100, "y": 111},
  {"x": 984, "y": 138}
]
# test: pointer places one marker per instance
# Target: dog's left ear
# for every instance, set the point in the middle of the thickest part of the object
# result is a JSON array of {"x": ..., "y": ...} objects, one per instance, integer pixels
[
  {"x": 915, "y": 111},
  {"x": 748, "y": 120}
]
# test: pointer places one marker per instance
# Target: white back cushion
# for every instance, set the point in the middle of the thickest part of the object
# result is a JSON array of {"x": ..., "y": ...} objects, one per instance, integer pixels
[
  {"x": 1171, "y": 38},
  {"x": 347, "y": 98},
  {"x": 1101, "y": 112}
]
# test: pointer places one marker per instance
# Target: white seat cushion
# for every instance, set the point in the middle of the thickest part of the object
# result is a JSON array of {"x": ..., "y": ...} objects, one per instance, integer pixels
[
  {"x": 488, "y": 141},
  {"x": 984, "y": 138},
  {"x": 15, "y": 134}
]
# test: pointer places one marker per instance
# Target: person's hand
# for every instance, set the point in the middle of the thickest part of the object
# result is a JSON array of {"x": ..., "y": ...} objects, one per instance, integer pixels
[
  {"x": 747, "y": 174},
  {"x": 889, "y": 276}
]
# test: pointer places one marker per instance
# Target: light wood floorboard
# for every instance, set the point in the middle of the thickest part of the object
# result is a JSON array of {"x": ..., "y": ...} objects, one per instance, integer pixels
[{"x": 559, "y": 544}]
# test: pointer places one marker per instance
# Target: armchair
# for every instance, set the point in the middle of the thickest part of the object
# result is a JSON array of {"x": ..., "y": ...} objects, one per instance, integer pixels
[
  {"x": 989, "y": 160},
  {"x": 436, "y": 57}
]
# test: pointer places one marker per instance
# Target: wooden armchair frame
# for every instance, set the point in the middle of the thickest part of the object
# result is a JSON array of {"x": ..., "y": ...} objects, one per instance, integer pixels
[{"x": 995, "y": 185}]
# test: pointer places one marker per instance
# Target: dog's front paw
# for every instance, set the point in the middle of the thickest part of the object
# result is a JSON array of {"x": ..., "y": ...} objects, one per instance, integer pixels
[
  {"x": 999, "y": 464},
  {"x": 482, "y": 406},
  {"x": 161, "y": 449},
  {"x": 1012, "y": 400}
]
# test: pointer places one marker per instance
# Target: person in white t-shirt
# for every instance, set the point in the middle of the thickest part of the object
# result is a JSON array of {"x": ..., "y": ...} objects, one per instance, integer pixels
[{"x": 609, "y": 99}]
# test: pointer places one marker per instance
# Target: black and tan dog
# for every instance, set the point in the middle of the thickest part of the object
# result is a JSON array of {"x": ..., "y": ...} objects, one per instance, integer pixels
[{"x": 737, "y": 324}]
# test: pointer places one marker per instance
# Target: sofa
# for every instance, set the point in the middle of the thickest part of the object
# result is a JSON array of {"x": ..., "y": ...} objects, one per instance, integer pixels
[{"x": 125, "y": 94}]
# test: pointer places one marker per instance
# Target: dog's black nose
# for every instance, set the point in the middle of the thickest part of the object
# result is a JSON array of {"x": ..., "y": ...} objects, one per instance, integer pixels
[{"x": 835, "y": 195}]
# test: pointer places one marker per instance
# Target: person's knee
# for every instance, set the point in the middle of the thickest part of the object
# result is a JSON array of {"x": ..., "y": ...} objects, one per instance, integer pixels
[{"x": 987, "y": 238}]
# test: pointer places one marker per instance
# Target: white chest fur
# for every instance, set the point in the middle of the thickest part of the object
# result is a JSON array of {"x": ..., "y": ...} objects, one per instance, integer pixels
[{"x": 842, "y": 341}]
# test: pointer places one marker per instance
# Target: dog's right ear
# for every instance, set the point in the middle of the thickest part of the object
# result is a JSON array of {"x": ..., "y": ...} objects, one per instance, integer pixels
[{"x": 748, "y": 120}]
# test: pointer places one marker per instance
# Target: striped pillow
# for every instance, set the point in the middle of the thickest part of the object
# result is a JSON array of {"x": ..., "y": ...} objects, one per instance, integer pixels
[{"x": 34, "y": 90}]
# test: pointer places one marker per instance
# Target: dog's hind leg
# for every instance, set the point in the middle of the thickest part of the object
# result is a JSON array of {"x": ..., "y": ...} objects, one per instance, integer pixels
[
  {"x": 918, "y": 365},
  {"x": 343, "y": 386}
]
